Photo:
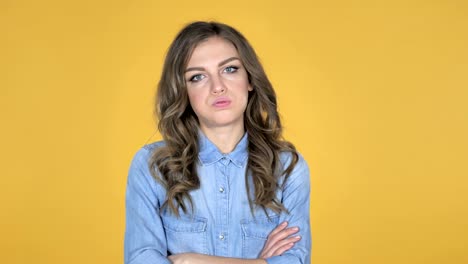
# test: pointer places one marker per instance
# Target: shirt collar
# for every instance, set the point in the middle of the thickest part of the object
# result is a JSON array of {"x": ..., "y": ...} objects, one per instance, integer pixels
[{"x": 209, "y": 153}]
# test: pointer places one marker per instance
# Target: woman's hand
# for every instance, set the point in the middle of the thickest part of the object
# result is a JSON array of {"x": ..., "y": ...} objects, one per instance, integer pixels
[{"x": 279, "y": 241}]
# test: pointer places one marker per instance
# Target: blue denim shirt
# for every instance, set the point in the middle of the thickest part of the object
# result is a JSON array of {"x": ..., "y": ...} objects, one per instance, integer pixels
[{"x": 222, "y": 223}]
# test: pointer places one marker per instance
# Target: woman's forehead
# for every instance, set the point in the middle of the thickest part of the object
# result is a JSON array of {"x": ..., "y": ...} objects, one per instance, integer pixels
[{"x": 213, "y": 48}]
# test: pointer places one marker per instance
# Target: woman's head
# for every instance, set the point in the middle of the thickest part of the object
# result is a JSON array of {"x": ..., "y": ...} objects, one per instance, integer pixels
[
  {"x": 218, "y": 87},
  {"x": 172, "y": 100},
  {"x": 175, "y": 164}
]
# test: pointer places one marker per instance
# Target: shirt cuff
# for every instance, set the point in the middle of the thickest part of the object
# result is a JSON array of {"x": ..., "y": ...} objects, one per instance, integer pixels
[
  {"x": 290, "y": 259},
  {"x": 150, "y": 257}
]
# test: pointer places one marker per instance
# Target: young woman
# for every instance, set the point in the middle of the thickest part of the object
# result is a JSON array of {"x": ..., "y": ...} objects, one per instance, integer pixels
[{"x": 223, "y": 186}]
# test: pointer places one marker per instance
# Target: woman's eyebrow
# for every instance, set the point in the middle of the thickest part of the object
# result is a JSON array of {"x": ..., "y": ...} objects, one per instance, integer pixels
[
  {"x": 219, "y": 64},
  {"x": 227, "y": 60}
]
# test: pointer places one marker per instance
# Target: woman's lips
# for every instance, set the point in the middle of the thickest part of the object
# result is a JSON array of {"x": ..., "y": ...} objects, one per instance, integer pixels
[{"x": 221, "y": 102}]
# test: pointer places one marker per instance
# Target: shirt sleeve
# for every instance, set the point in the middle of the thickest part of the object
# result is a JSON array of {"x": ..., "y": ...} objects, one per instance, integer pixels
[
  {"x": 296, "y": 198},
  {"x": 145, "y": 239}
]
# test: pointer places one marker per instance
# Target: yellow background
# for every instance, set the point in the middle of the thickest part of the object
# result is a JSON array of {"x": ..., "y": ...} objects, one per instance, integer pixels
[{"x": 373, "y": 93}]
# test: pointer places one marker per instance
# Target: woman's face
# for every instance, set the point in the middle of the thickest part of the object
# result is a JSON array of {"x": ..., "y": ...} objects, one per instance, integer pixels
[{"x": 217, "y": 84}]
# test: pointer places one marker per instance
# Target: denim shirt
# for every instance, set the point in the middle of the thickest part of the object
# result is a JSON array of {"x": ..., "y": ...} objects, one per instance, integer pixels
[{"x": 222, "y": 223}]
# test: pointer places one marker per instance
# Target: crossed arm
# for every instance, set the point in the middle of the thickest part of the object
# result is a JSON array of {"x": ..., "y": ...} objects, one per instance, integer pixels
[{"x": 279, "y": 241}]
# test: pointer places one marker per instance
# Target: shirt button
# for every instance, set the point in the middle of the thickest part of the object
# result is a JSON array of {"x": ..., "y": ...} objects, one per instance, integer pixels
[
  {"x": 221, "y": 237},
  {"x": 221, "y": 189}
]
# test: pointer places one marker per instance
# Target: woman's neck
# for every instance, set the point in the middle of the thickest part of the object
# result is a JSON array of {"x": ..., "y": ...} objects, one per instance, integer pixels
[{"x": 224, "y": 138}]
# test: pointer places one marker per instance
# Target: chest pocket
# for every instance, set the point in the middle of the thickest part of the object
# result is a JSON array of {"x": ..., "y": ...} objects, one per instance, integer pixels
[
  {"x": 185, "y": 234},
  {"x": 255, "y": 233}
]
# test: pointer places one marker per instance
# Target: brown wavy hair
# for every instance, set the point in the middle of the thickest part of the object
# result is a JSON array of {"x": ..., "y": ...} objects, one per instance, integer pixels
[{"x": 174, "y": 164}]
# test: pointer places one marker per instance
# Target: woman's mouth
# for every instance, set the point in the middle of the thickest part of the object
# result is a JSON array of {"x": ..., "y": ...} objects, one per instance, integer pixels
[{"x": 221, "y": 102}]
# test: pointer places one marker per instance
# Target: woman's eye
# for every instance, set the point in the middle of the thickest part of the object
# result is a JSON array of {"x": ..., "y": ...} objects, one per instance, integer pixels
[
  {"x": 231, "y": 69},
  {"x": 196, "y": 78}
]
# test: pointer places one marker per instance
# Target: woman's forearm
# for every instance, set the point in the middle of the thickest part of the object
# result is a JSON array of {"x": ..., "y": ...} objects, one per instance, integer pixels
[{"x": 193, "y": 258}]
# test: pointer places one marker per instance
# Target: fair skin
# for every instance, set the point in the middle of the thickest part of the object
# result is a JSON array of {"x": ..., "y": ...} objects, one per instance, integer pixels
[{"x": 218, "y": 88}]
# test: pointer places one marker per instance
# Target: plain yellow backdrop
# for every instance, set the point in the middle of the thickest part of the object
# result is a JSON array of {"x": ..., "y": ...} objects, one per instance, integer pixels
[{"x": 373, "y": 93}]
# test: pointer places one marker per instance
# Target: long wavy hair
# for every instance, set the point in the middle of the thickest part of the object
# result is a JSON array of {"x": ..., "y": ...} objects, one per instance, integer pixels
[{"x": 174, "y": 164}]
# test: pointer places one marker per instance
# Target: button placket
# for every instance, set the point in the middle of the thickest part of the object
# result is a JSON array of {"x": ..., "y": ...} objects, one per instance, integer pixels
[{"x": 222, "y": 214}]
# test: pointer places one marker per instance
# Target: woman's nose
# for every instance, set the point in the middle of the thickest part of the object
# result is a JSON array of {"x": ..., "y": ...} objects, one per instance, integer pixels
[{"x": 217, "y": 85}]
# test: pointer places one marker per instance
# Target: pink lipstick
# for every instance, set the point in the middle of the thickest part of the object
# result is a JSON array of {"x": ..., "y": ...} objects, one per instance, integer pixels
[{"x": 221, "y": 102}]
